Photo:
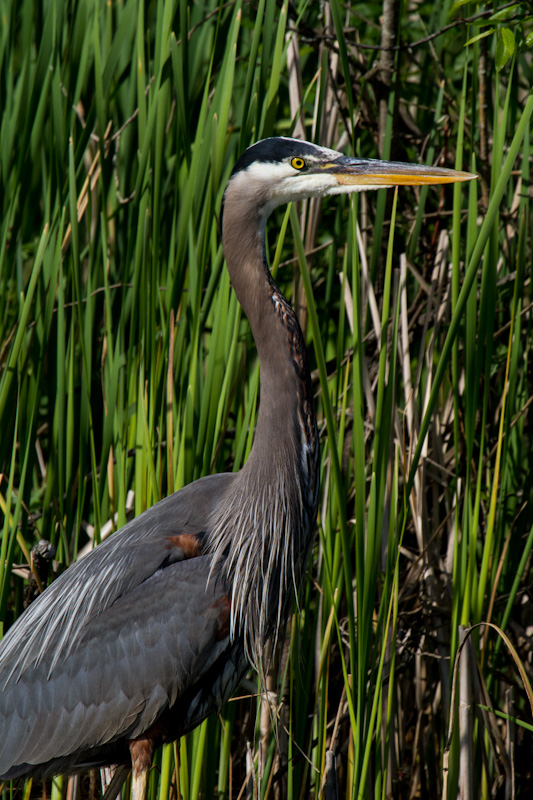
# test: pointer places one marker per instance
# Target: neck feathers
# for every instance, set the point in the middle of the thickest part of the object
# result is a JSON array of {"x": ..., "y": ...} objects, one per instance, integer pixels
[{"x": 264, "y": 531}]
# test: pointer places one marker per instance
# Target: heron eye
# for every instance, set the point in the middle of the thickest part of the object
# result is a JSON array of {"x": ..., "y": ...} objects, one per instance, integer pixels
[{"x": 297, "y": 163}]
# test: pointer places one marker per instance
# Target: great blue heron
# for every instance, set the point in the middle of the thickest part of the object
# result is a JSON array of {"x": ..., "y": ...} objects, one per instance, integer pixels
[{"x": 138, "y": 642}]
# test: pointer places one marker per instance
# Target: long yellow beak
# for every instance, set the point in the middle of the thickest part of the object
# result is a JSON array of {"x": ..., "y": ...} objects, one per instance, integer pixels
[{"x": 368, "y": 172}]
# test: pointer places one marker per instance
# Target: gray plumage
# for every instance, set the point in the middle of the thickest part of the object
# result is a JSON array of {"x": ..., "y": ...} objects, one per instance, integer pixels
[
  {"x": 114, "y": 641},
  {"x": 138, "y": 642}
]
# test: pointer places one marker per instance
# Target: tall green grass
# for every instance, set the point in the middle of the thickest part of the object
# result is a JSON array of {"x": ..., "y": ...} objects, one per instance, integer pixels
[{"x": 127, "y": 365}]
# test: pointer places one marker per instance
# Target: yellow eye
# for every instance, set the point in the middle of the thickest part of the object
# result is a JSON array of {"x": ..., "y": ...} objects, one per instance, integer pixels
[{"x": 297, "y": 163}]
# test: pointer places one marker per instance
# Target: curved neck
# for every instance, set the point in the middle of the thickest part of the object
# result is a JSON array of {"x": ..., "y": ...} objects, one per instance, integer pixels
[
  {"x": 264, "y": 528},
  {"x": 286, "y": 425}
]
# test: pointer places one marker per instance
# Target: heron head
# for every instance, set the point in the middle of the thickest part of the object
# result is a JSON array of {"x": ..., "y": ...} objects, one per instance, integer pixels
[{"x": 278, "y": 170}]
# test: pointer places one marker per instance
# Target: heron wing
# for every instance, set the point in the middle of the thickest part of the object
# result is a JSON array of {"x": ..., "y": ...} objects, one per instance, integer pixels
[
  {"x": 57, "y": 619},
  {"x": 133, "y": 662},
  {"x": 46, "y": 660}
]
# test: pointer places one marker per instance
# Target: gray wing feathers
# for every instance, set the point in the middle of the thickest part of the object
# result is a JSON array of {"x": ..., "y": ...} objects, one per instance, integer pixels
[
  {"x": 132, "y": 662},
  {"x": 58, "y": 617},
  {"x": 97, "y": 655}
]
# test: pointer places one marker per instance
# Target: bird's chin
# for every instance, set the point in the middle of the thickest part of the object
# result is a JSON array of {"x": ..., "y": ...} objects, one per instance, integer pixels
[{"x": 350, "y": 187}]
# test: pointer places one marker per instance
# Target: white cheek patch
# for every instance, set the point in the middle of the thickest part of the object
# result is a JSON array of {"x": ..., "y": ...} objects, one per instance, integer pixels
[
  {"x": 307, "y": 185},
  {"x": 267, "y": 172}
]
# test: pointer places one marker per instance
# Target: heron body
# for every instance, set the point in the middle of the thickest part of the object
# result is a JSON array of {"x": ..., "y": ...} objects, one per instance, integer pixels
[{"x": 137, "y": 643}]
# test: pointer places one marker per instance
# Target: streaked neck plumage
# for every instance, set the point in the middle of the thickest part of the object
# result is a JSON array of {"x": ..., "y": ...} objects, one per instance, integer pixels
[{"x": 265, "y": 528}]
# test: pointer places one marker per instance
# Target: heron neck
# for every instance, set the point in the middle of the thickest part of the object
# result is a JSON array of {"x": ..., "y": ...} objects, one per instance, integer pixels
[
  {"x": 263, "y": 530},
  {"x": 286, "y": 425}
]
